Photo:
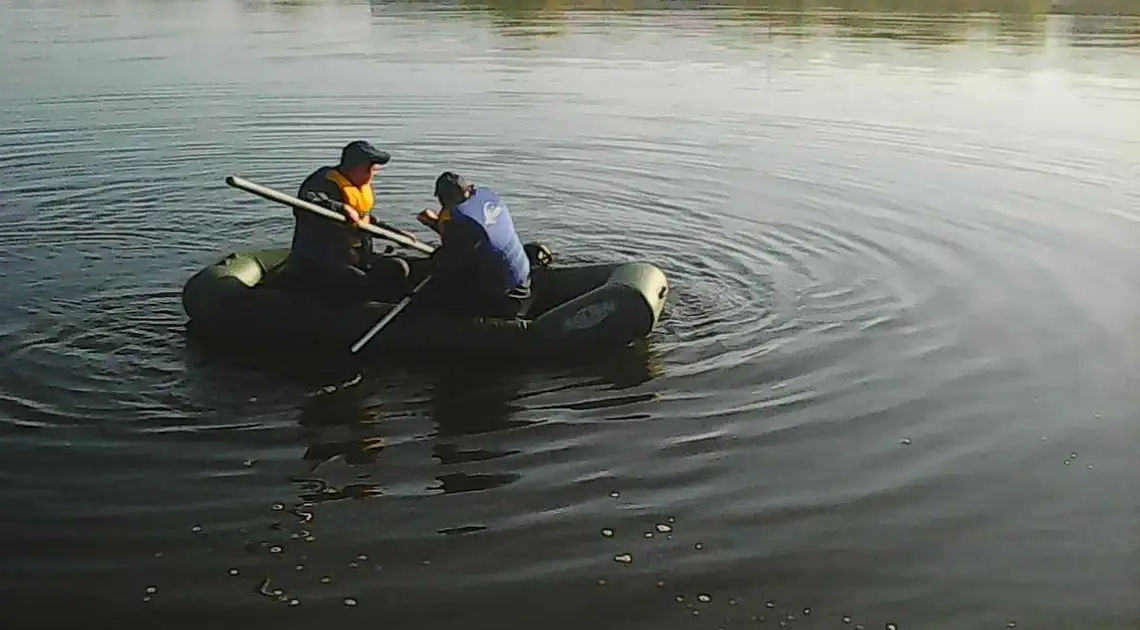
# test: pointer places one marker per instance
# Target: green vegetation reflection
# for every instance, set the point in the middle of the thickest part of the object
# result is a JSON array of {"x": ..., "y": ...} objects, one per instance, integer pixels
[
  {"x": 1025, "y": 22},
  {"x": 929, "y": 22}
]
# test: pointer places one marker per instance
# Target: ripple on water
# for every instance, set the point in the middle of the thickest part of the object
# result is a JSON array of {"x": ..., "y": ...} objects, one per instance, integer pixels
[
  {"x": 96, "y": 347},
  {"x": 822, "y": 358}
]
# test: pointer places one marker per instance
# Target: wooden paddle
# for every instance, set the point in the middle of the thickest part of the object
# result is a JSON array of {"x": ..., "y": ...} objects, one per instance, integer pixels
[{"x": 289, "y": 200}]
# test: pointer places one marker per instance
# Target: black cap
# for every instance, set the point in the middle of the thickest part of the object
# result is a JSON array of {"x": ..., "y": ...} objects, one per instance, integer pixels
[
  {"x": 361, "y": 152},
  {"x": 451, "y": 187}
]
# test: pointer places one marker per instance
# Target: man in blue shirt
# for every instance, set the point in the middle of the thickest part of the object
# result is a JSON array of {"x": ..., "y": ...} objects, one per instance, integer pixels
[{"x": 481, "y": 268}]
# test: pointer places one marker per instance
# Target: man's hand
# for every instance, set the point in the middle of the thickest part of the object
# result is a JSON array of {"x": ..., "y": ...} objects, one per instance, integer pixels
[
  {"x": 321, "y": 199},
  {"x": 354, "y": 216},
  {"x": 429, "y": 218}
]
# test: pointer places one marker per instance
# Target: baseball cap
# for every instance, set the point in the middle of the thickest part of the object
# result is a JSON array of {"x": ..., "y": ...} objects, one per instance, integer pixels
[
  {"x": 451, "y": 187},
  {"x": 360, "y": 152}
]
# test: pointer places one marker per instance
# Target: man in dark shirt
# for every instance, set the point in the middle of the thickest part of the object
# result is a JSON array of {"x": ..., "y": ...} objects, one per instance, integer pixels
[{"x": 334, "y": 258}]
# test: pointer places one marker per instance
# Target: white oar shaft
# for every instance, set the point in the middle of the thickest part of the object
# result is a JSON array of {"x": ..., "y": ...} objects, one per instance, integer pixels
[
  {"x": 280, "y": 197},
  {"x": 387, "y": 318}
]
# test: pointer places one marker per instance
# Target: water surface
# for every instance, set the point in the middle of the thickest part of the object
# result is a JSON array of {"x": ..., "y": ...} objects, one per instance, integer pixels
[{"x": 895, "y": 383}]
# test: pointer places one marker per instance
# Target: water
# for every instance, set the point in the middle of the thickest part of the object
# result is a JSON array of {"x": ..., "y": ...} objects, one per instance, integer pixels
[{"x": 895, "y": 382}]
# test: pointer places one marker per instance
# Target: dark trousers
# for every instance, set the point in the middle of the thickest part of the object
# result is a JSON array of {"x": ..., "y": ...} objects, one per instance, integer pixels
[
  {"x": 458, "y": 297},
  {"x": 385, "y": 279}
]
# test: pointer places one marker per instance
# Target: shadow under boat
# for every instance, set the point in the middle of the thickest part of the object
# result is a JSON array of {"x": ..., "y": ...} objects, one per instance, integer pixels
[
  {"x": 349, "y": 425},
  {"x": 349, "y": 421}
]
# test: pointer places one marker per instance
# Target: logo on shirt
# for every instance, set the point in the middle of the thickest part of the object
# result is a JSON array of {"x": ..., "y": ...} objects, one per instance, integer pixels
[{"x": 491, "y": 212}]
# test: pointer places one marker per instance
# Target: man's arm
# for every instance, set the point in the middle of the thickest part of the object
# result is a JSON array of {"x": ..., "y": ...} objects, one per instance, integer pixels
[
  {"x": 324, "y": 192},
  {"x": 430, "y": 219},
  {"x": 390, "y": 228},
  {"x": 461, "y": 239}
]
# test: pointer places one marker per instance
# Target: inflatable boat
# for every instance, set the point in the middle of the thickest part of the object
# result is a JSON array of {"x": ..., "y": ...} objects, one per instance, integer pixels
[{"x": 576, "y": 309}]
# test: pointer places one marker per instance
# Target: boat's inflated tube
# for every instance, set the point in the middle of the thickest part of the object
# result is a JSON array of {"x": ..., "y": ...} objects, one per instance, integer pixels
[{"x": 576, "y": 309}]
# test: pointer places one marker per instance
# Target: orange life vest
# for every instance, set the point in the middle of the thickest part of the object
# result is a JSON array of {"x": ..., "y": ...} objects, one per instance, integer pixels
[
  {"x": 360, "y": 198},
  {"x": 441, "y": 222}
]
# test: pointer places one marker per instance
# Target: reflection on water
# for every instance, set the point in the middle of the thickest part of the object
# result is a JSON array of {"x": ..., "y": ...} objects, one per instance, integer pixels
[
  {"x": 917, "y": 7},
  {"x": 927, "y": 22},
  {"x": 355, "y": 424}
]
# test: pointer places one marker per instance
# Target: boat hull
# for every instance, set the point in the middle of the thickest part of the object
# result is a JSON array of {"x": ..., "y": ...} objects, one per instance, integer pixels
[{"x": 576, "y": 309}]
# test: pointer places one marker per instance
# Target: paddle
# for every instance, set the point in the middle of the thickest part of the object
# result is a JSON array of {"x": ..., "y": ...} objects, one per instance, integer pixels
[
  {"x": 280, "y": 197},
  {"x": 389, "y": 317}
]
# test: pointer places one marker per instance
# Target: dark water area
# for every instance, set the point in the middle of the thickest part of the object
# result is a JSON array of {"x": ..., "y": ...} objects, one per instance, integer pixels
[{"x": 896, "y": 381}]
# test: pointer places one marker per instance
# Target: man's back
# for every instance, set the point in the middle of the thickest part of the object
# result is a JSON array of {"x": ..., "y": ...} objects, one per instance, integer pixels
[{"x": 480, "y": 244}]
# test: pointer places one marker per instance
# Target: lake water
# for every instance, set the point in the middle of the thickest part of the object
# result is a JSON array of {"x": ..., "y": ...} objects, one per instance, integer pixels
[{"x": 896, "y": 381}]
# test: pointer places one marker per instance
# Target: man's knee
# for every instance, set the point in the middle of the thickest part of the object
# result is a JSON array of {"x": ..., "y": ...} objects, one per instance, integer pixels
[{"x": 388, "y": 277}]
